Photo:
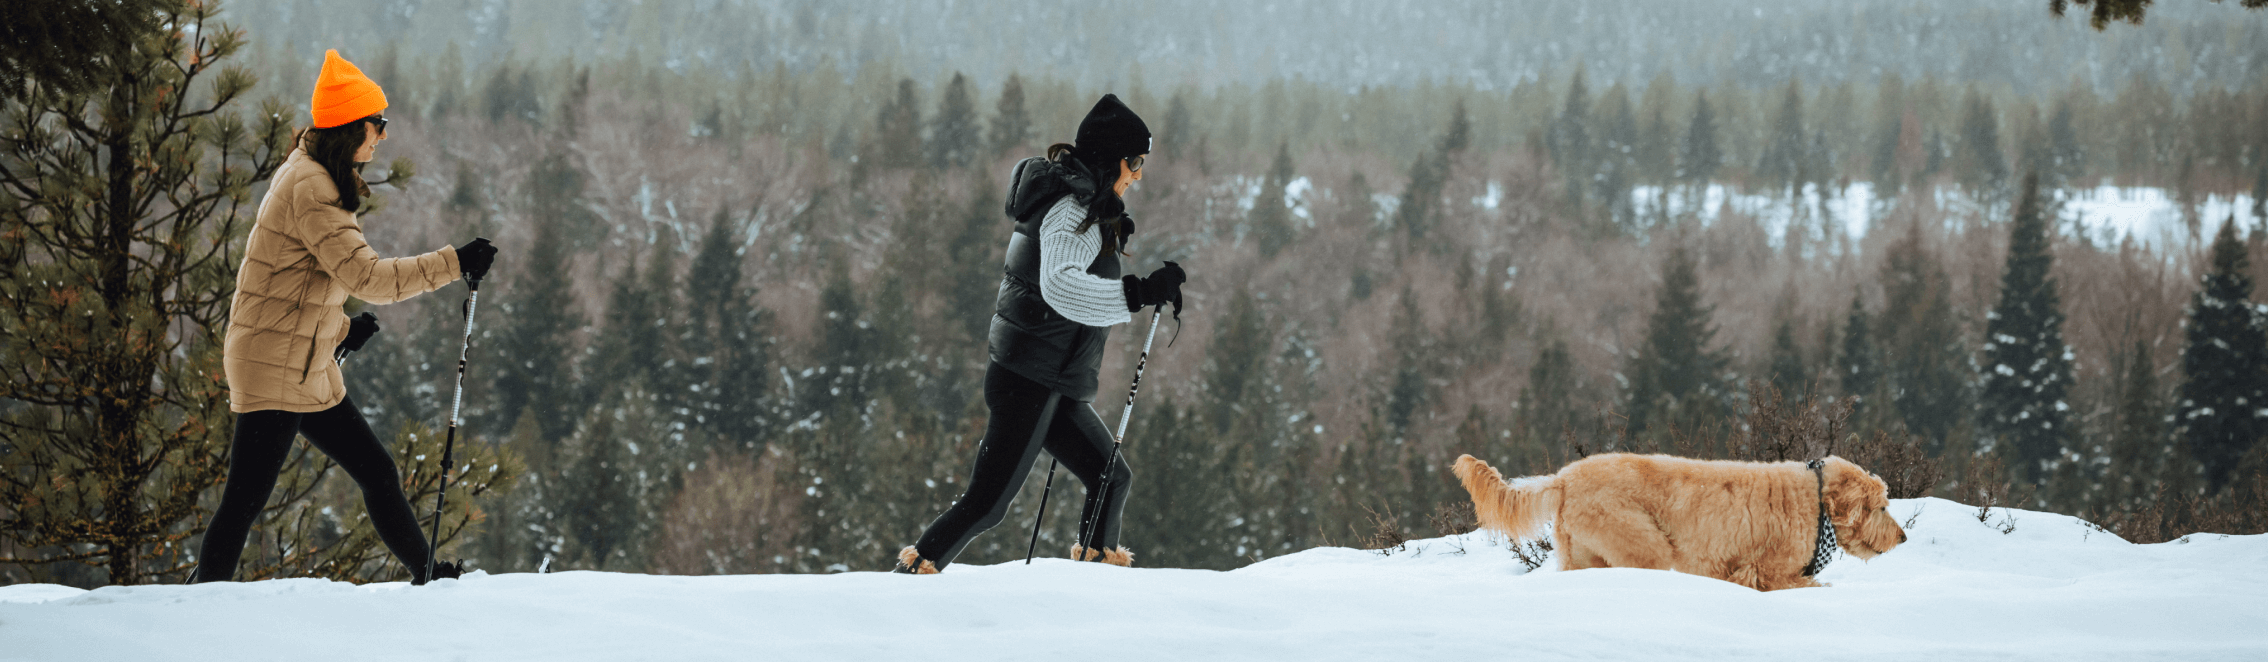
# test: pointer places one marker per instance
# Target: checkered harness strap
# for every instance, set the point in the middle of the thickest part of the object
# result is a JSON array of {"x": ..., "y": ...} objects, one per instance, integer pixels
[{"x": 1823, "y": 545}]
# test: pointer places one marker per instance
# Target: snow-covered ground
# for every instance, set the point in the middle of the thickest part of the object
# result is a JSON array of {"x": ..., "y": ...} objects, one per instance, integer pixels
[{"x": 2052, "y": 588}]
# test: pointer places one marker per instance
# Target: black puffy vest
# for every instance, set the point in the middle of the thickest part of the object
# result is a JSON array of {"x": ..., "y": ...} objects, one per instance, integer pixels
[{"x": 1028, "y": 336}]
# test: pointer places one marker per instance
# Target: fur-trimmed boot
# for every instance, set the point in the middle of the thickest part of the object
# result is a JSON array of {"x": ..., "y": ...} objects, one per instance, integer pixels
[
  {"x": 1117, "y": 556},
  {"x": 910, "y": 562}
]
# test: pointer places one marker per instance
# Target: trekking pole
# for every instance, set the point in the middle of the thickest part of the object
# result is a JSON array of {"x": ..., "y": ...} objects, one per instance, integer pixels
[
  {"x": 1122, "y": 418},
  {"x": 1087, "y": 530},
  {"x": 1050, "y": 487},
  {"x": 449, "y": 448}
]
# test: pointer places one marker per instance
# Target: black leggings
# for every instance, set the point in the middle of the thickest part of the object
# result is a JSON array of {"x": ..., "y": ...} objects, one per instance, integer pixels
[
  {"x": 257, "y": 454},
  {"x": 1074, "y": 435}
]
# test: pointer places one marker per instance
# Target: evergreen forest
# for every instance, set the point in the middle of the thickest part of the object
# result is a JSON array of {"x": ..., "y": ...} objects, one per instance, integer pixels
[{"x": 750, "y": 249}]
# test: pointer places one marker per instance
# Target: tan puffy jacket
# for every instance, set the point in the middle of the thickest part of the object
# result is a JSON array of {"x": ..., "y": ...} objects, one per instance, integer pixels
[{"x": 304, "y": 257}]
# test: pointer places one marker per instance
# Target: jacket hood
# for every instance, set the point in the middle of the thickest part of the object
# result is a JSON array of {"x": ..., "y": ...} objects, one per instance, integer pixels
[{"x": 1037, "y": 183}]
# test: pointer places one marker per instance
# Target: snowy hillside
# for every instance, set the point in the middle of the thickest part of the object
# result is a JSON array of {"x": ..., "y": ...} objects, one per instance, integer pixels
[{"x": 2050, "y": 587}]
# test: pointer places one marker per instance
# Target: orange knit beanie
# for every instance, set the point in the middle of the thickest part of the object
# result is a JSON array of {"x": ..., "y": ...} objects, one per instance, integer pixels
[{"x": 343, "y": 94}]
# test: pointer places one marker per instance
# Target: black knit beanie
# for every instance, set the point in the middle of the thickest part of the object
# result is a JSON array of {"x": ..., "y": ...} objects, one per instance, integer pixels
[{"x": 1112, "y": 131}]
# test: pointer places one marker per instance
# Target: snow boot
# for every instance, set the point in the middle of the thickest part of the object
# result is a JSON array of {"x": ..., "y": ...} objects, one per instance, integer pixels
[
  {"x": 441, "y": 570},
  {"x": 910, "y": 562},
  {"x": 1117, "y": 556}
]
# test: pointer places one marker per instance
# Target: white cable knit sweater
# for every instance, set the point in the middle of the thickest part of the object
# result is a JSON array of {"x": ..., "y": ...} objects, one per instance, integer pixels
[{"x": 1064, "y": 282}]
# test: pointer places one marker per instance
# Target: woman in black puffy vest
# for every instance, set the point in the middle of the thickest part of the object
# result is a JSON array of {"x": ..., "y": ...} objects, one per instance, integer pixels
[{"x": 1061, "y": 294}]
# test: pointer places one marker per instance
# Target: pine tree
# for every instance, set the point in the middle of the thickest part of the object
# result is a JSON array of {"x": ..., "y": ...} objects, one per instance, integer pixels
[
  {"x": 1782, "y": 165},
  {"x": 574, "y": 108},
  {"x": 727, "y": 341},
  {"x": 1617, "y": 155},
  {"x": 464, "y": 208},
  {"x": 1247, "y": 422},
  {"x": 897, "y": 130},
  {"x": 122, "y": 223},
  {"x": 2027, "y": 366},
  {"x": 1657, "y": 138},
  {"x": 1927, "y": 377},
  {"x": 1891, "y": 131},
  {"x": 1858, "y": 367},
  {"x": 1570, "y": 140},
  {"x": 1011, "y": 122},
  {"x": 1173, "y": 514},
  {"x": 1235, "y": 374},
  {"x": 1421, "y": 202},
  {"x": 511, "y": 94},
  {"x": 1174, "y": 137},
  {"x": 2131, "y": 11},
  {"x": 2223, "y": 407},
  {"x": 1698, "y": 156},
  {"x": 1407, "y": 393},
  {"x": 1547, "y": 406},
  {"x": 1789, "y": 374},
  {"x": 598, "y": 502},
  {"x": 2139, "y": 442},
  {"x": 536, "y": 336},
  {"x": 976, "y": 253},
  {"x": 955, "y": 135},
  {"x": 2260, "y": 190},
  {"x": 1977, "y": 160},
  {"x": 2067, "y": 158},
  {"x": 1271, "y": 220},
  {"x": 848, "y": 349},
  {"x": 1675, "y": 374},
  {"x": 635, "y": 338},
  {"x": 67, "y": 46}
]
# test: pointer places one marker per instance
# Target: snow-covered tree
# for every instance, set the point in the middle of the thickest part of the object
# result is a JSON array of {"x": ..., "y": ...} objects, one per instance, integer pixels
[
  {"x": 727, "y": 342},
  {"x": 2027, "y": 366},
  {"x": 2223, "y": 407}
]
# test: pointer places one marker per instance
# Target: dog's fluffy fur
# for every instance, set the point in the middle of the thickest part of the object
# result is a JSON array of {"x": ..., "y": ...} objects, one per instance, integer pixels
[
  {"x": 910, "y": 558},
  {"x": 1747, "y": 523},
  {"x": 1117, "y": 556}
]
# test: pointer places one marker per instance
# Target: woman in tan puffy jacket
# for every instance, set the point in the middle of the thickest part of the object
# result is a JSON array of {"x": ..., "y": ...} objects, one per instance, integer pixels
[{"x": 305, "y": 256}]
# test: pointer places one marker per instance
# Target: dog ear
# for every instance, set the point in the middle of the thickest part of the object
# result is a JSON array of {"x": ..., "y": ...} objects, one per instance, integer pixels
[{"x": 1849, "y": 490}]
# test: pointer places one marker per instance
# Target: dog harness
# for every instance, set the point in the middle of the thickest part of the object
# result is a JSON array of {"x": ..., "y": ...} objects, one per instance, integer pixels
[{"x": 1823, "y": 544}]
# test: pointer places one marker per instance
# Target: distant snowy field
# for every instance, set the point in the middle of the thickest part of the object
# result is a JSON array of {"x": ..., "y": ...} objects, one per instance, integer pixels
[
  {"x": 2106, "y": 214},
  {"x": 2052, "y": 589}
]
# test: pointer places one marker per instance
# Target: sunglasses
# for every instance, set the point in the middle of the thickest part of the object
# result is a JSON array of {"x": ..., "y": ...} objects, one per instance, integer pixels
[
  {"x": 1134, "y": 164},
  {"x": 380, "y": 120}
]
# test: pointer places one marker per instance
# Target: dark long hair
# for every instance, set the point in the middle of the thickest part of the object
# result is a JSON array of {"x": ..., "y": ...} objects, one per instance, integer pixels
[
  {"x": 1105, "y": 201},
  {"x": 334, "y": 149}
]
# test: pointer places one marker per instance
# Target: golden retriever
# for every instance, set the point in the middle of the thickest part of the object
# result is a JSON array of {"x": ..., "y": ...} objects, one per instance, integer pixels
[{"x": 1749, "y": 523}]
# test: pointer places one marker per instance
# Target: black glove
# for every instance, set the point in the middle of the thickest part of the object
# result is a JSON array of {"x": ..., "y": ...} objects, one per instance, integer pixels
[
  {"x": 1162, "y": 287},
  {"x": 474, "y": 259},
  {"x": 359, "y": 331}
]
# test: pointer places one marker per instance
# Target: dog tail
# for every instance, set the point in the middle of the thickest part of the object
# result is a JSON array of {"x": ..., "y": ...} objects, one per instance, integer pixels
[{"x": 1519, "y": 511}]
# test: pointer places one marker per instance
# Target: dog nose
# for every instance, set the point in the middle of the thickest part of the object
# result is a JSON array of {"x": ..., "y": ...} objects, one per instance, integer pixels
[{"x": 1901, "y": 536}]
